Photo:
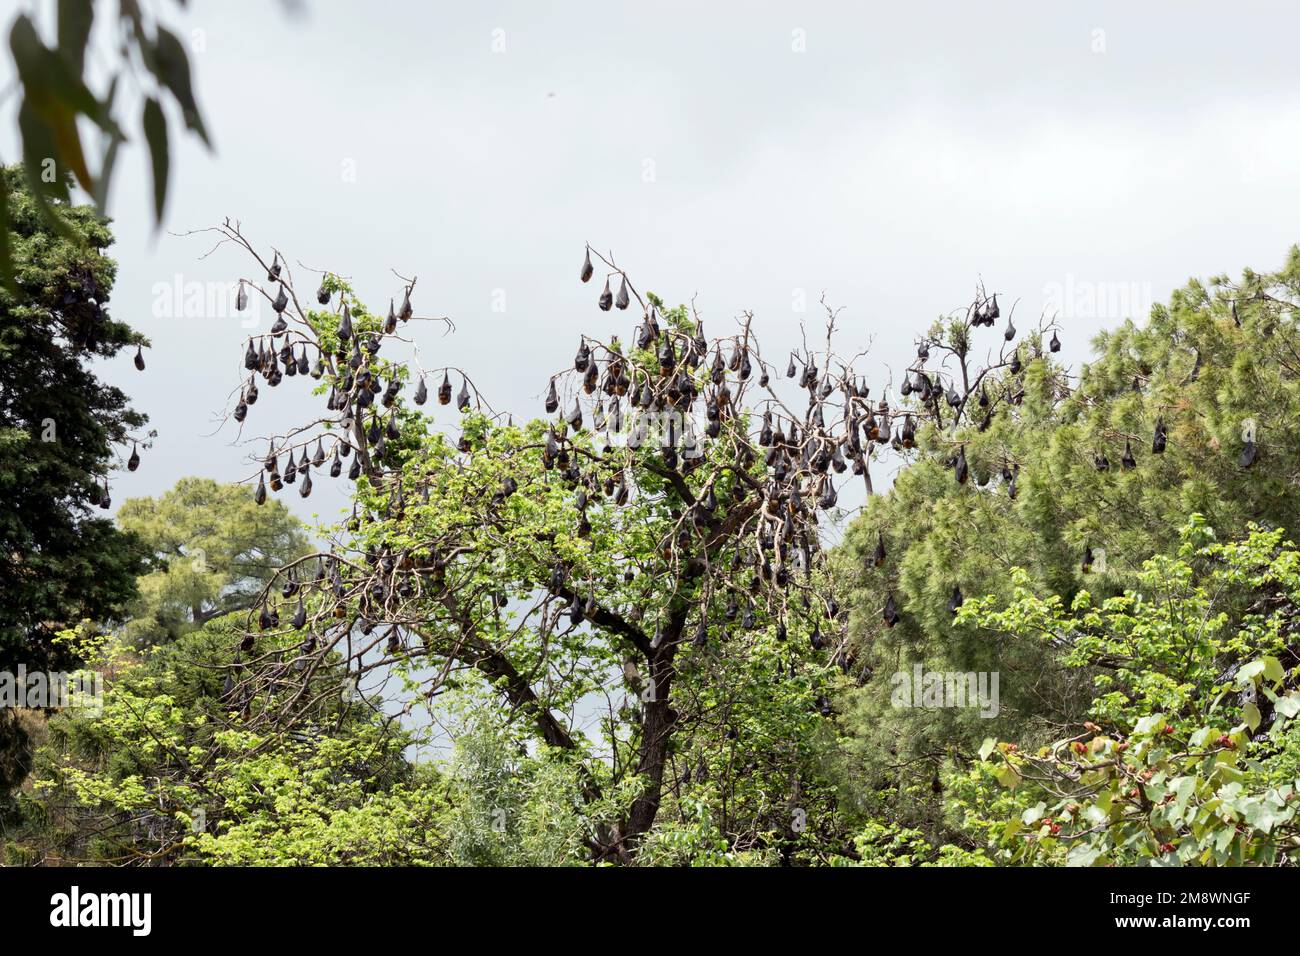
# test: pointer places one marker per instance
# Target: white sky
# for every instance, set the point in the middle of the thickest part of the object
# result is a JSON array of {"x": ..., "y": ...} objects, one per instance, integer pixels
[{"x": 908, "y": 151}]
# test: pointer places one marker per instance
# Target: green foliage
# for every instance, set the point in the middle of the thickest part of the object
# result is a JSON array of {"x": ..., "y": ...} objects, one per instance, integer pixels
[
  {"x": 1216, "y": 357},
  {"x": 510, "y": 808},
  {"x": 56, "y": 93},
  {"x": 568, "y": 574},
  {"x": 59, "y": 428},
  {"x": 128, "y": 785},
  {"x": 885, "y": 844},
  {"x": 626, "y": 677},
  {"x": 1190, "y": 755},
  {"x": 213, "y": 551}
]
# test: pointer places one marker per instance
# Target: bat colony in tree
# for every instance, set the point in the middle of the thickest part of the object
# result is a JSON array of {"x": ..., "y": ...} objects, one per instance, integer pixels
[{"x": 657, "y": 434}]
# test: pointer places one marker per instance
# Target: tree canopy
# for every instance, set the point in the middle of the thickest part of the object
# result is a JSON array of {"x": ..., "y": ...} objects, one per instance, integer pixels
[
  {"x": 626, "y": 613},
  {"x": 62, "y": 431},
  {"x": 1077, "y": 481},
  {"x": 213, "y": 551}
]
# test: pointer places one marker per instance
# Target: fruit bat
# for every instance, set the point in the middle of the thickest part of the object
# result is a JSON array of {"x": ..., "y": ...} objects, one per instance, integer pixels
[
  {"x": 891, "y": 611},
  {"x": 667, "y": 357},
  {"x": 622, "y": 301},
  {"x": 587, "y": 269},
  {"x": 828, "y": 497},
  {"x": 139, "y": 358},
  {"x": 606, "y": 300}
]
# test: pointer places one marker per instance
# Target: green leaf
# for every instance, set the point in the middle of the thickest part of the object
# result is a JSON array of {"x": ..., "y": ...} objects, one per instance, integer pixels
[
  {"x": 986, "y": 748},
  {"x": 49, "y": 83},
  {"x": 155, "y": 132},
  {"x": 6, "y": 246},
  {"x": 1249, "y": 672},
  {"x": 1250, "y": 714},
  {"x": 75, "y": 20},
  {"x": 172, "y": 67},
  {"x": 1084, "y": 854},
  {"x": 1149, "y": 724}
]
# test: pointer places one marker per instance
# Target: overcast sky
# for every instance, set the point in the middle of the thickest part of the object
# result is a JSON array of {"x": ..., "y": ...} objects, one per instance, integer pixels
[{"x": 752, "y": 155}]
